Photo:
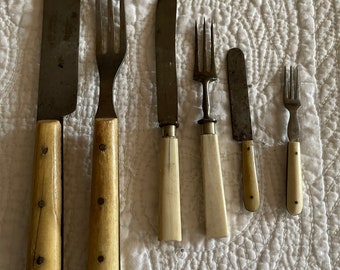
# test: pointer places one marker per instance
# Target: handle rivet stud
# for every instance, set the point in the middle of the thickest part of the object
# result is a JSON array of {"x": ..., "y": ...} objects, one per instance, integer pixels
[
  {"x": 100, "y": 200},
  {"x": 102, "y": 147},
  {"x": 44, "y": 150},
  {"x": 40, "y": 260},
  {"x": 41, "y": 203},
  {"x": 100, "y": 258}
]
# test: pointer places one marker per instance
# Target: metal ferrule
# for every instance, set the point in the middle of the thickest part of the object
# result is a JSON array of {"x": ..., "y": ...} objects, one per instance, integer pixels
[
  {"x": 169, "y": 131},
  {"x": 208, "y": 128}
]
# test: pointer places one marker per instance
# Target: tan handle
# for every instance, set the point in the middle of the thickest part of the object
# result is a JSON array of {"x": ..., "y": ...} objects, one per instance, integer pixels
[
  {"x": 169, "y": 195},
  {"x": 251, "y": 195},
  {"x": 214, "y": 200},
  {"x": 44, "y": 246},
  {"x": 104, "y": 213},
  {"x": 294, "y": 179}
]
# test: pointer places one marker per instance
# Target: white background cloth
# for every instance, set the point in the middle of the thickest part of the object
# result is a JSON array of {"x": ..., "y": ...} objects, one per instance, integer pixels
[{"x": 271, "y": 34}]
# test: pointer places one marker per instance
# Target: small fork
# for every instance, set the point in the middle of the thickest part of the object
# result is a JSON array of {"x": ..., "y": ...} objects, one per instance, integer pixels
[
  {"x": 104, "y": 213},
  {"x": 291, "y": 100},
  {"x": 214, "y": 200}
]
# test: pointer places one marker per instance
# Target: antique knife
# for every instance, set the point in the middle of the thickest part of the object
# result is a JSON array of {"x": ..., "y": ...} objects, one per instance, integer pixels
[
  {"x": 169, "y": 195},
  {"x": 241, "y": 125},
  {"x": 57, "y": 97}
]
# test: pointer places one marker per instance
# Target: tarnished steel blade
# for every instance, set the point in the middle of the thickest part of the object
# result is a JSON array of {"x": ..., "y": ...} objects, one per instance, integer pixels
[
  {"x": 58, "y": 77},
  {"x": 166, "y": 62},
  {"x": 238, "y": 95}
]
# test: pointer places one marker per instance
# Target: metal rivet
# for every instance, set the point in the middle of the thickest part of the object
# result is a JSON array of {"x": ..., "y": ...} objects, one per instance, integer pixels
[
  {"x": 296, "y": 202},
  {"x": 102, "y": 147},
  {"x": 248, "y": 148},
  {"x": 44, "y": 150},
  {"x": 40, "y": 260},
  {"x": 100, "y": 200},
  {"x": 251, "y": 196},
  {"x": 296, "y": 153},
  {"x": 41, "y": 203},
  {"x": 100, "y": 258}
]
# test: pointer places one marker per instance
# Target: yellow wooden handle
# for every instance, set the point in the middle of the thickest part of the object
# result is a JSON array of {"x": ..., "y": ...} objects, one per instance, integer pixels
[
  {"x": 214, "y": 200},
  {"x": 251, "y": 195},
  {"x": 169, "y": 195},
  {"x": 44, "y": 246},
  {"x": 104, "y": 213},
  {"x": 294, "y": 179}
]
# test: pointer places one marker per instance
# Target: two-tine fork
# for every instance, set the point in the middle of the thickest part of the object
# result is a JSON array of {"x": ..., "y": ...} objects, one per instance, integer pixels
[
  {"x": 104, "y": 214},
  {"x": 214, "y": 200},
  {"x": 292, "y": 102}
]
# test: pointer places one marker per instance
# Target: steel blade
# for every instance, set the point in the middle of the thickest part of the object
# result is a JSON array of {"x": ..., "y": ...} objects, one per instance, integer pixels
[
  {"x": 238, "y": 95},
  {"x": 58, "y": 79},
  {"x": 166, "y": 62}
]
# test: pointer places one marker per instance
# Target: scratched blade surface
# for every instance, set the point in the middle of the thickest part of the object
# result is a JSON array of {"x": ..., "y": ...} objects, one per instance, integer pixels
[
  {"x": 238, "y": 95},
  {"x": 58, "y": 77},
  {"x": 166, "y": 62}
]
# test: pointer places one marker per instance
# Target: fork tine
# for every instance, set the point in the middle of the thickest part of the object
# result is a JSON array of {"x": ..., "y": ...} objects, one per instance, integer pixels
[
  {"x": 110, "y": 28},
  {"x": 204, "y": 48},
  {"x": 296, "y": 86},
  {"x": 286, "y": 84},
  {"x": 99, "y": 42},
  {"x": 196, "y": 69},
  {"x": 212, "y": 53},
  {"x": 122, "y": 38}
]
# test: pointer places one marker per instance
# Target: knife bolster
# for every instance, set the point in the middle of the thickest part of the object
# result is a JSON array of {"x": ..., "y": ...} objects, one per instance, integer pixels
[
  {"x": 44, "y": 246},
  {"x": 169, "y": 131},
  {"x": 169, "y": 194},
  {"x": 208, "y": 128}
]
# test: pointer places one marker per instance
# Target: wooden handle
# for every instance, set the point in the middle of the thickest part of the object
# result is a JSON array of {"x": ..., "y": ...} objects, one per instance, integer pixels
[
  {"x": 104, "y": 213},
  {"x": 294, "y": 179},
  {"x": 251, "y": 195},
  {"x": 44, "y": 246},
  {"x": 169, "y": 194},
  {"x": 214, "y": 200}
]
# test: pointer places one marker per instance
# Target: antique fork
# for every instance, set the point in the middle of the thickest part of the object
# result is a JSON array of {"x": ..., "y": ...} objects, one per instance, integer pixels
[
  {"x": 292, "y": 102},
  {"x": 104, "y": 213},
  {"x": 214, "y": 201}
]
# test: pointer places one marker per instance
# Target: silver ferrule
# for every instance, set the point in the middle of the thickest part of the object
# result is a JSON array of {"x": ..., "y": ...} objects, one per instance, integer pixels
[
  {"x": 208, "y": 128},
  {"x": 169, "y": 131}
]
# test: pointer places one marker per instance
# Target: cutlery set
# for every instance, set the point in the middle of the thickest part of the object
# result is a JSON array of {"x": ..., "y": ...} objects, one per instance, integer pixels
[{"x": 57, "y": 97}]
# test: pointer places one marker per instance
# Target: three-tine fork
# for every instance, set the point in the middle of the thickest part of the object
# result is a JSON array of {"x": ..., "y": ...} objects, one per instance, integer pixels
[
  {"x": 104, "y": 213},
  {"x": 214, "y": 200},
  {"x": 292, "y": 102}
]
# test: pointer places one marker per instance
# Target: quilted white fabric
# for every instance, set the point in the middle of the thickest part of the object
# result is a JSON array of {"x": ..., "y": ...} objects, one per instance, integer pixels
[{"x": 271, "y": 34}]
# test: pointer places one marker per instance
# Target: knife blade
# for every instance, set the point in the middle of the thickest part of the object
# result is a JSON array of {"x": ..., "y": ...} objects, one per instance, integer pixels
[
  {"x": 57, "y": 97},
  {"x": 166, "y": 81},
  {"x": 241, "y": 125}
]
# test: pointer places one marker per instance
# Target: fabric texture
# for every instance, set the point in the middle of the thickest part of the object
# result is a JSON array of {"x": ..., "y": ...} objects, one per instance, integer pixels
[{"x": 271, "y": 34}]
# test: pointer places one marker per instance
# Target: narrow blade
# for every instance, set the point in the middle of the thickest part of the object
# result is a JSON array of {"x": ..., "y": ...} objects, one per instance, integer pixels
[
  {"x": 166, "y": 62},
  {"x": 58, "y": 78},
  {"x": 238, "y": 95}
]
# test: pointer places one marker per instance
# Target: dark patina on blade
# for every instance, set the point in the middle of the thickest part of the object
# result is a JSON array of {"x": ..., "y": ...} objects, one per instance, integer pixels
[
  {"x": 238, "y": 95},
  {"x": 58, "y": 80},
  {"x": 166, "y": 62}
]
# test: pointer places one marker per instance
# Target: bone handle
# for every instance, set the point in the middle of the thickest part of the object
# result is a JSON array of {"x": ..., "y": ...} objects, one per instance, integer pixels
[
  {"x": 214, "y": 200},
  {"x": 169, "y": 194},
  {"x": 294, "y": 179},
  {"x": 251, "y": 195},
  {"x": 104, "y": 212},
  {"x": 44, "y": 246}
]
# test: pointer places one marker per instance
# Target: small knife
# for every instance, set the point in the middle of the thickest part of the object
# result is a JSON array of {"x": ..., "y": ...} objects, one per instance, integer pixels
[
  {"x": 57, "y": 97},
  {"x": 241, "y": 125},
  {"x": 169, "y": 195}
]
